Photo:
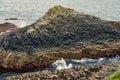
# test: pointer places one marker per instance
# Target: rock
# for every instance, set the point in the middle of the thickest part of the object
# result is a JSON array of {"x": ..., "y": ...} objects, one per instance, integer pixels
[
  {"x": 65, "y": 27},
  {"x": 76, "y": 73},
  {"x": 11, "y": 19},
  {"x": 115, "y": 23},
  {"x": 7, "y": 28}
]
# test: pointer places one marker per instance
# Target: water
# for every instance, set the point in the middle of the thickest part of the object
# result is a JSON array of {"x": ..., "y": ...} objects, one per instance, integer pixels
[
  {"x": 2, "y": 75},
  {"x": 28, "y": 11},
  {"x": 64, "y": 64}
]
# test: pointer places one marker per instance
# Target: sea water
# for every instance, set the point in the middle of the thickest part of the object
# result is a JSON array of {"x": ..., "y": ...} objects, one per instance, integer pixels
[
  {"x": 65, "y": 64},
  {"x": 28, "y": 11}
]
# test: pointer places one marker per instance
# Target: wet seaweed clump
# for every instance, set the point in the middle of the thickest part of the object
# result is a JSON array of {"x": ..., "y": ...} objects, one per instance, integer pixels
[{"x": 58, "y": 9}]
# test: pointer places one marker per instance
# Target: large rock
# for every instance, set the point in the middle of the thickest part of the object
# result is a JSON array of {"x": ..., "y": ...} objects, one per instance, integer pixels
[{"x": 60, "y": 28}]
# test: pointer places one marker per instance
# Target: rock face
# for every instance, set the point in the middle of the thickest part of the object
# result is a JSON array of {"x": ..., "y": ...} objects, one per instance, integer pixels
[
  {"x": 62, "y": 28},
  {"x": 7, "y": 28}
]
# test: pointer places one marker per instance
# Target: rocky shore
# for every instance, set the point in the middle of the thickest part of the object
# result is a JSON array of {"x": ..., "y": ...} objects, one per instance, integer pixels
[
  {"x": 60, "y": 33},
  {"x": 22, "y": 62},
  {"x": 60, "y": 26},
  {"x": 95, "y": 72}
]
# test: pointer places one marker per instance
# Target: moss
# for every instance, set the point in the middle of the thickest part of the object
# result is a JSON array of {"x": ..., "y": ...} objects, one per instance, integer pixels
[
  {"x": 58, "y": 9},
  {"x": 114, "y": 76}
]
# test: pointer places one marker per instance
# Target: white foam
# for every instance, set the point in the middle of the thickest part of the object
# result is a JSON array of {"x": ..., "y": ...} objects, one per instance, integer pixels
[
  {"x": 64, "y": 64},
  {"x": 61, "y": 64}
]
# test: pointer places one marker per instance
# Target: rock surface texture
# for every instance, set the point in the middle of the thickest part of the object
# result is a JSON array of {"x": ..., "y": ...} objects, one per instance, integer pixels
[
  {"x": 62, "y": 28},
  {"x": 60, "y": 33},
  {"x": 95, "y": 72}
]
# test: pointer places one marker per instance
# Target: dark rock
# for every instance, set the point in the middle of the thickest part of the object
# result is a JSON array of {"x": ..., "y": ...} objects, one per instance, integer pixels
[
  {"x": 60, "y": 29},
  {"x": 11, "y": 19},
  {"x": 24, "y": 68}
]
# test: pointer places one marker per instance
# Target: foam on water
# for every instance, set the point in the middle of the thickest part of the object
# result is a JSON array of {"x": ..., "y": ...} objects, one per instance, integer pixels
[
  {"x": 60, "y": 64},
  {"x": 64, "y": 64}
]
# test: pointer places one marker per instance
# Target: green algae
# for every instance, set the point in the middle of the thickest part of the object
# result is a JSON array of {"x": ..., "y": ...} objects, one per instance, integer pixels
[
  {"x": 114, "y": 76},
  {"x": 58, "y": 9}
]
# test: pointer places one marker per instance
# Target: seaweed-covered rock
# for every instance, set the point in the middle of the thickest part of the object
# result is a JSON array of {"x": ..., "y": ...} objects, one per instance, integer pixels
[
  {"x": 65, "y": 27},
  {"x": 95, "y": 72},
  {"x": 58, "y": 9}
]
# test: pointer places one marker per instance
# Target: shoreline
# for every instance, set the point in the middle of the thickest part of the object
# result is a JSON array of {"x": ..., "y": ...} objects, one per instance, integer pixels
[
  {"x": 96, "y": 72},
  {"x": 45, "y": 59},
  {"x": 20, "y": 50}
]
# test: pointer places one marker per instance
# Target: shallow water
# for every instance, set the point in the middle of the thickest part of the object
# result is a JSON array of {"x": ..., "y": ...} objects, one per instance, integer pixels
[
  {"x": 61, "y": 64},
  {"x": 28, "y": 11},
  {"x": 64, "y": 64}
]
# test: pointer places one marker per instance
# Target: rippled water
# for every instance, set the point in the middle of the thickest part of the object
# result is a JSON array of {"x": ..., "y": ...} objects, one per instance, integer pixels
[{"x": 30, "y": 10}]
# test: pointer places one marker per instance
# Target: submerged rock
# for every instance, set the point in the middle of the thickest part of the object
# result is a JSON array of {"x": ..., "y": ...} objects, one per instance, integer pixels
[
  {"x": 11, "y": 19},
  {"x": 65, "y": 27}
]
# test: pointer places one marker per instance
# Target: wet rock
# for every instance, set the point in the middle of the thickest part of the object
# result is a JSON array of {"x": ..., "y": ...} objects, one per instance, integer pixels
[
  {"x": 24, "y": 68},
  {"x": 62, "y": 28},
  {"x": 98, "y": 72},
  {"x": 11, "y": 19},
  {"x": 7, "y": 28}
]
